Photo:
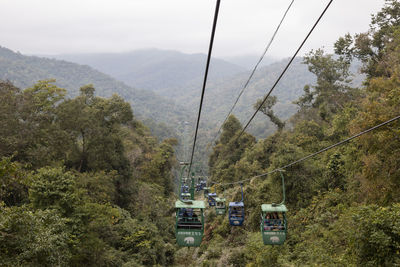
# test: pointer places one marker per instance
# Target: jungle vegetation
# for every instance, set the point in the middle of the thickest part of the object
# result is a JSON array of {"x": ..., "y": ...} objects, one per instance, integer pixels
[
  {"x": 343, "y": 204},
  {"x": 83, "y": 182}
]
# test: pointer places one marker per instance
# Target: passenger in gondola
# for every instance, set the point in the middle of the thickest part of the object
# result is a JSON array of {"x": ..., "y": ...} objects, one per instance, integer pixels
[
  {"x": 196, "y": 221},
  {"x": 277, "y": 222},
  {"x": 185, "y": 216},
  {"x": 237, "y": 212},
  {"x": 267, "y": 222}
]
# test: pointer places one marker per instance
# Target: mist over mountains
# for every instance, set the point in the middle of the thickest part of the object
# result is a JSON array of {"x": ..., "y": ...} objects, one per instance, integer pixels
[
  {"x": 153, "y": 69},
  {"x": 179, "y": 77},
  {"x": 164, "y": 86},
  {"x": 24, "y": 71}
]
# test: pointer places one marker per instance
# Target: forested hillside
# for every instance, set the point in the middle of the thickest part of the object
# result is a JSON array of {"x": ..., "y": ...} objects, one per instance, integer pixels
[
  {"x": 23, "y": 71},
  {"x": 344, "y": 203},
  {"x": 83, "y": 182}
]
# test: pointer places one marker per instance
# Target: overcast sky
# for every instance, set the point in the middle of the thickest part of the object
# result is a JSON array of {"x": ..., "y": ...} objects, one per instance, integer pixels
[{"x": 244, "y": 26}]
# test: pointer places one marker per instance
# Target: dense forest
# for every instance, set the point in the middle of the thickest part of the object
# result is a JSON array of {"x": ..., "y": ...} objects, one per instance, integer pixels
[{"x": 83, "y": 182}]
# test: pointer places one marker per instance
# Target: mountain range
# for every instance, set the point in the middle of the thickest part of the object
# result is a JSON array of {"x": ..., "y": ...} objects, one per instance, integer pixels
[
  {"x": 179, "y": 77},
  {"x": 24, "y": 71},
  {"x": 164, "y": 87},
  {"x": 152, "y": 69}
]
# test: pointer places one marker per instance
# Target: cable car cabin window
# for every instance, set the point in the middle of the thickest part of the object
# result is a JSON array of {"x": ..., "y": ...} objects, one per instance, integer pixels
[
  {"x": 185, "y": 196},
  {"x": 237, "y": 212},
  {"x": 185, "y": 189},
  {"x": 189, "y": 219},
  {"x": 220, "y": 204},
  {"x": 274, "y": 221}
]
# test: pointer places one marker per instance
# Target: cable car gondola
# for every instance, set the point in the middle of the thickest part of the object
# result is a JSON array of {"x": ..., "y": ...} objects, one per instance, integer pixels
[
  {"x": 273, "y": 224},
  {"x": 236, "y": 211},
  {"x": 189, "y": 223},
  {"x": 211, "y": 199},
  {"x": 273, "y": 221},
  {"x": 220, "y": 207}
]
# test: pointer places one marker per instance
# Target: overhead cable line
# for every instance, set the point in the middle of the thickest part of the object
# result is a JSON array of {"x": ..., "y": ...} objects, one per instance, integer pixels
[
  {"x": 313, "y": 154},
  {"x": 285, "y": 69},
  {"x": 254, "y": 70},
  {"x": 205, "y": 79}
]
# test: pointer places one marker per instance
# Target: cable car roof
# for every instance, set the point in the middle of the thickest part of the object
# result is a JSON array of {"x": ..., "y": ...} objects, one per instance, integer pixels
[
  {"x": 273, "y": 208},
  {"x": 218, "y": 199},
  {"x": 212, "y": 194},
  {"x": 236, "y": 204},
  {"x": 190, "y": 204}
]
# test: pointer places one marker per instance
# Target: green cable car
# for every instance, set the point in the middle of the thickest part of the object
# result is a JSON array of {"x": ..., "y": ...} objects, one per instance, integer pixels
[
  {"x": 273, "y": 224},
  {"x": 220, "y": 207},
  {"x": 189, "y": 224}
]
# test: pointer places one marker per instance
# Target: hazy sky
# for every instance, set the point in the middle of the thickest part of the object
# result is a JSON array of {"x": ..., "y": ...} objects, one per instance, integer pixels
[{"x": 244, "y": 26}]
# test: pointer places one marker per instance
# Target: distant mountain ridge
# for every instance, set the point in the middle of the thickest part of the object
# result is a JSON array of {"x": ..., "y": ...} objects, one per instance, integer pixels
[
  {"x": 155, "y": 69},
  {"x": 179, "y": 77},
  {"x": 24, "y": 71}
]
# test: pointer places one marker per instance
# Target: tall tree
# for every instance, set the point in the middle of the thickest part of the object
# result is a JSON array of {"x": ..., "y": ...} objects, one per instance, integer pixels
[{"x": 266, "y": 108}]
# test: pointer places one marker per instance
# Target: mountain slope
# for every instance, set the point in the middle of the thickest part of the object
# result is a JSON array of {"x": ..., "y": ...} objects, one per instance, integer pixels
[
  {"x": 24, "y": 71},
  {"x": 221, "y": 94},
  {"x": 154, "y": 69}
]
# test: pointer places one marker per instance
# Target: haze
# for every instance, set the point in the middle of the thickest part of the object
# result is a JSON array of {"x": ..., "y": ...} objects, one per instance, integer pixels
[{"x": 244, "y": 27}]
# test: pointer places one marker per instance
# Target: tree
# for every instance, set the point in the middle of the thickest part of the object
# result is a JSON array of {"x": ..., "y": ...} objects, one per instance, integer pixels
[
  {"x": 29, "y": 118},
  {"x": 13, "y": 184},
  {"x": 370, "y": 47},
  {"x": 332, "y": 90},
  {"x": 266, "y": 108},
  {"x": 228, "y": 150}
]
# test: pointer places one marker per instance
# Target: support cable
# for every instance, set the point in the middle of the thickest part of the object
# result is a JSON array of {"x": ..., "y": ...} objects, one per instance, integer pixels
[
  {"x": 285, "y": 69},
  {"x": 254, "y": 70},
  {"x": 205, "y": 79}
]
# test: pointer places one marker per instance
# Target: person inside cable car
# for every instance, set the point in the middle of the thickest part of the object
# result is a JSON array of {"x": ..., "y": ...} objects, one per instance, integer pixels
[
  {"x": 267, "y": 222},
  {"x": 275, "y": 223},
  {"x": 189, "y": 220},
  {"x": 185, "y": 215},
  {"x": 237, "y": 212}
]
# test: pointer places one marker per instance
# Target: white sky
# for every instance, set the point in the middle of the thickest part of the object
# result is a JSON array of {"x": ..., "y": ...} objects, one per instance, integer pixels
[{"x": 244, "y": 26}]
